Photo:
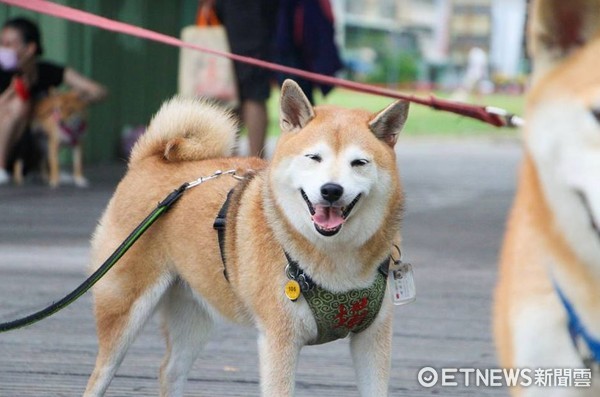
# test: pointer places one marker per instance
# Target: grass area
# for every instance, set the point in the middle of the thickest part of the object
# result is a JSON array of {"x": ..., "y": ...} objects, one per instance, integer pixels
[{"x": 422, "y": 120}]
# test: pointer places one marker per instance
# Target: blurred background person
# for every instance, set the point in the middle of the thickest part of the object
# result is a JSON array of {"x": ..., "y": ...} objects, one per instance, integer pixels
[
  {"x": 305, "y": 40},
  {"x": 24, "y": 79},
  {"x": 475, "y": 78},
  {"x": 250, "y": 27}
]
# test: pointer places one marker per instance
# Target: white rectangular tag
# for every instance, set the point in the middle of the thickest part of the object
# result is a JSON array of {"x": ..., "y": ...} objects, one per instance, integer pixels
[{"x": 402, "y": 284}]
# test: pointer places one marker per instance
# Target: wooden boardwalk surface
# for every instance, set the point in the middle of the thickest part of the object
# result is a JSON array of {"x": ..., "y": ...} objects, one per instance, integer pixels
[{"x": 458, "y": 194}]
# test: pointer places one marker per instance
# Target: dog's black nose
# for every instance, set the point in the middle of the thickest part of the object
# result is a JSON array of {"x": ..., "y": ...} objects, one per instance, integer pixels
[{"x": 331, "y": 192}]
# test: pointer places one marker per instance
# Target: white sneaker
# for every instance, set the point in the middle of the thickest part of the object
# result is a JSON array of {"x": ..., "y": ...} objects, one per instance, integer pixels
[
  {"x": 4, "y": 177},
  {"x": 81, "y": 181}
]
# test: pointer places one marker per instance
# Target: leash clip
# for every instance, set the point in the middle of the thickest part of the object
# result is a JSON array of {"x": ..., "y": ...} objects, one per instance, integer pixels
[{"x": 215, "y": 175}]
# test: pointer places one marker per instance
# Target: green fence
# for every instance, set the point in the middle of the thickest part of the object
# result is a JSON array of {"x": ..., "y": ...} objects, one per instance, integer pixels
[{"x": 139, "y": 74}]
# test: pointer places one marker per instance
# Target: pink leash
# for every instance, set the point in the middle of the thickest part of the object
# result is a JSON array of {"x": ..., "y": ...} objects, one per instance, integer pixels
[{"x": 491, "y": 115}]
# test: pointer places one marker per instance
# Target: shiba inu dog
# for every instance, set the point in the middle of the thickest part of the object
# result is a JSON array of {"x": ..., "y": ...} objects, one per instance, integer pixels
[
  {"x": 62, "y": 118},
  {"x": 547, "y": 312},
  {"x": 322, "y": 216}
]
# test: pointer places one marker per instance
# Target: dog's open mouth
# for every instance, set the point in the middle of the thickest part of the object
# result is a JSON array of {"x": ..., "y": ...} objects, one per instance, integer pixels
[{"x": 328, "y": 219}]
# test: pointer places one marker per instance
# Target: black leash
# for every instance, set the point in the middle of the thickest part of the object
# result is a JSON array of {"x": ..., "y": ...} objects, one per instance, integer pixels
[{"x": 162, "y": 207}]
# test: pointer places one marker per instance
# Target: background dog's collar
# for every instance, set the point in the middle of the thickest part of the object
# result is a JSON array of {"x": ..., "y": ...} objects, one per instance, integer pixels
[{"x": 579, "y": 334}]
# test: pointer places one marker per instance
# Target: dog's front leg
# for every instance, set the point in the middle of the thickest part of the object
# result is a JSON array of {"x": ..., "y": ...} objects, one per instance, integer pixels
[
  {"x": 371, "y": 354},
  {"x": 53, "y": 160},
  {"x": 278, "y": 353},
  {"x": 18, "y": 172},
  {"x": 78, "y": 177}
]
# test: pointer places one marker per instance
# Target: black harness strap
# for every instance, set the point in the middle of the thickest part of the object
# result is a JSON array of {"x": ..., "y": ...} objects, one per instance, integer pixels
[
  {"x": 219, "y": 226},
  {"x": 295, "y": 272}
]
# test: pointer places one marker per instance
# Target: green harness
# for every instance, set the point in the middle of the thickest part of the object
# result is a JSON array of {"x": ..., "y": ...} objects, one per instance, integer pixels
[{"x": 338, "y": 314}]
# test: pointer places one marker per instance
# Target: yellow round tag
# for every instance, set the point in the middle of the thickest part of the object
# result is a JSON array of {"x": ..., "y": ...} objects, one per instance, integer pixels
[{"x": 292, "y": 290}]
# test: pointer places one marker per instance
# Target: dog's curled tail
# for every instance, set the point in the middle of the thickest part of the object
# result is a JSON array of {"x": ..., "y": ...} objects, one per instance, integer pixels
[{"x": 187, "y": 129}]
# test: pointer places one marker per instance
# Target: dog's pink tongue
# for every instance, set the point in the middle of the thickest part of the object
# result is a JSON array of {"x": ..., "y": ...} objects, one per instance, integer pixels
[{"x": 328, "y": 217}]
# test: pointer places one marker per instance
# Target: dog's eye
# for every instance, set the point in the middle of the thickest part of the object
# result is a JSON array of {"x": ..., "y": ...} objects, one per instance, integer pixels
[
  {"x": 314, "y": 157},
  {"x": 359, "y": 162}
]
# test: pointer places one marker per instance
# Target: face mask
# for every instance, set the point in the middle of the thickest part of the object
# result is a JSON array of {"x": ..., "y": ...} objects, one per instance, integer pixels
[{"x": 8, "y": 59}]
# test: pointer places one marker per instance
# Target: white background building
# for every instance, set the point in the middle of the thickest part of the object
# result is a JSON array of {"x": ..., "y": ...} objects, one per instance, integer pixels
[{"x": 443, "y": 31}]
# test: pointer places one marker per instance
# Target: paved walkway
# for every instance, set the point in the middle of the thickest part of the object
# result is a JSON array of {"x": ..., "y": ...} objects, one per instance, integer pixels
[{"x": 458, "y": 194}]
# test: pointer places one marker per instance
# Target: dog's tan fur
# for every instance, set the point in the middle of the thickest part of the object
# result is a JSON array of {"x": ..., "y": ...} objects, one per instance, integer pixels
[
  {"x": 177, "y": 262},
  {"x": 549, "y": 238},
  {"x": 47, "y": 113}
]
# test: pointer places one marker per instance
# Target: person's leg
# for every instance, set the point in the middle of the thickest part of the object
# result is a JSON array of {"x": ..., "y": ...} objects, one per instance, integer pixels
[
  {"x": 254, "y": 117},
  {"x": 250, "y": 33},
  {"x": 5, "y": 137},
  {"x": 13, "y": 121}
]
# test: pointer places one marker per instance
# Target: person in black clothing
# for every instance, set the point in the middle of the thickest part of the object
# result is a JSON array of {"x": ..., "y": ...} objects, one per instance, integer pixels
[
  {"x": 250, "y": 26},
  {"x": 305, "y": 39},
  {"x": 25, "y": 79}
]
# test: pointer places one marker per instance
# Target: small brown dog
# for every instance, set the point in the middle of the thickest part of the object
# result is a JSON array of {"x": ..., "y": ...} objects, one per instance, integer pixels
[{"x": 62, "y": 118}]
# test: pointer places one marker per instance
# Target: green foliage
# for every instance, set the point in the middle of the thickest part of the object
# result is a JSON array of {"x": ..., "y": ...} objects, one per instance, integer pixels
[{"x": 395, "y": 69}]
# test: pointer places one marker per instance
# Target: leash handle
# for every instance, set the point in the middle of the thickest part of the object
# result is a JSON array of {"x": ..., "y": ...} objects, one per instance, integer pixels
[{"x": 55, "y": 307}]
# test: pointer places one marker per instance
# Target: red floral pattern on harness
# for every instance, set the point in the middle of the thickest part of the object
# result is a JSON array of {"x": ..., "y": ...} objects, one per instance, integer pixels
[{"x": 355, "y": 316}]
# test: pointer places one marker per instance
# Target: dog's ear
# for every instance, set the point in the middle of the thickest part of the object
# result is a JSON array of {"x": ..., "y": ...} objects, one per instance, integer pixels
[
  {"x": 295, "y": 108},
  {"x": 557, "y": 27},
  {"x": 388, "y": 123}
]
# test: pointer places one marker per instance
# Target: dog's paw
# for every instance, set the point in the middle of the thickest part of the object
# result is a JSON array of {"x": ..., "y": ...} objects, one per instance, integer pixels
[{"x": 54, "y": 182}]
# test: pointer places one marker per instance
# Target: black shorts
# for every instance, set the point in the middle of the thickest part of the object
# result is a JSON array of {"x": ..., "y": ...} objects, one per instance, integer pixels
[
  {"x": 250, "y": 27},
  {"x": 253, "y": 83}
]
